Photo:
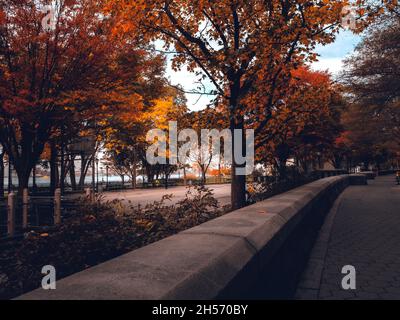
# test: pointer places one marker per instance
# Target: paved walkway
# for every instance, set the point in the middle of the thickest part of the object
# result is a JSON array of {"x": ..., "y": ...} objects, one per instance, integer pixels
[
  {"x": 362, "y": 230},
  {"x": 222, "y": 192}
]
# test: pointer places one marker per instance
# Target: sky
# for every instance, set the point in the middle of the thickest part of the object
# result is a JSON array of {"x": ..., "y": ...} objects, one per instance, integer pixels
[
  {"x": 332, "y": 55},
  {"x": 331, "y": 59}
]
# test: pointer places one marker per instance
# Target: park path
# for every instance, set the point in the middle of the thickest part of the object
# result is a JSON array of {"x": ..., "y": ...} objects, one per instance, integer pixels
[
  {"x": 362, "y": 230},
  {"x": 222, "y": 192}
]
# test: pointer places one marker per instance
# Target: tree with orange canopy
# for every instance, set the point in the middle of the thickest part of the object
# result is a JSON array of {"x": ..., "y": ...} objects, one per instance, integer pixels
[{"x": 234, "y": 44}]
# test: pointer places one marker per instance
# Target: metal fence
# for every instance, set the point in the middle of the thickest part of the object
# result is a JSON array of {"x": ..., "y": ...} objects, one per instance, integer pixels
[
  {"x": 3, "y": 219},
  {"x": 40, "y": 214}
]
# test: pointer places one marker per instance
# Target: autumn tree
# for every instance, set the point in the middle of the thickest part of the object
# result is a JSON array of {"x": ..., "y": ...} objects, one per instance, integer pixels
[
  {"x": 124, "y": 133},
  {"x": 205, "y": 155},
  {"x": 342, "y": 151},
  {"x": 43, "y": 71},
  {"x": 170, "y": 107},
  {"x": 372, "y": 79},
  {"x": 370, "y": 143},
  {"x": 304, "y": 124},
  {"x": 234, "y": 44}
]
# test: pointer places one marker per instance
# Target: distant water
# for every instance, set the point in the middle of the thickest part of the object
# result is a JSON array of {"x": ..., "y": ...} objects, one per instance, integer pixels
[{"x": 45, "y": 181}]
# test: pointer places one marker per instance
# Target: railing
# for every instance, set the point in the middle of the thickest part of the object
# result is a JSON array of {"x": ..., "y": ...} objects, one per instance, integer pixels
[
  {"x": 3, "y": 218},
  {"x": 40, "y": 212}
]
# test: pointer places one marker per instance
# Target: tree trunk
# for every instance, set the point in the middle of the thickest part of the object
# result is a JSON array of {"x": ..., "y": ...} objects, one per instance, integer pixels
[
  {"x": 282, "y": 170},
  {"x": 63, "y": 171},
  {"x": 134, "y": 173},
  {"x": 203, "y": 177},
  {"x": 72, "y": 175},
  {"x": 133, "y": 181},
  {"x": 166, "y": 180},
  {"x": 238, "y": 184},
  {"x": 219, "y": 171},
  {"x": 85, "y": 162},
  {"x": 304, "y": 165},
  {"x": 238, "y": 189},
  {"x": 283, "y": 152},
  {"x": 134, "y": 176},
  {"x": 23, "y": 180},
  {"x": 34, "y": 185},
  {"x": 23, "y": 168},
  {"x": 53, "y": 168},
  {"x": 149, "y": 174}
]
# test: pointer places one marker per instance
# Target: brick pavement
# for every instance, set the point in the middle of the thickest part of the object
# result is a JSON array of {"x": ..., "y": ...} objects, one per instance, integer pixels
[{"x": 363, "y": 230}]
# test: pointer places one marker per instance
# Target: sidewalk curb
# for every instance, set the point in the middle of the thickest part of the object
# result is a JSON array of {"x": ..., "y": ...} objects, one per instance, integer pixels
[{"x": 309, "y": 285}]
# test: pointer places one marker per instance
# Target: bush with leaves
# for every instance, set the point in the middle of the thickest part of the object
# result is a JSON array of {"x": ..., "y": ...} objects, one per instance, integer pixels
[{"x": 100, "y": 231}]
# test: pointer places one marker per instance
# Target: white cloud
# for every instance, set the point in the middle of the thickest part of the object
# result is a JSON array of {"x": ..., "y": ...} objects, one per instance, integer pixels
[
  {"x": 188, "y": 81},
  {"x": 332, "y": 55},
  {"x": 333, "y": 65},
  {"x": 331, "y": 59}
]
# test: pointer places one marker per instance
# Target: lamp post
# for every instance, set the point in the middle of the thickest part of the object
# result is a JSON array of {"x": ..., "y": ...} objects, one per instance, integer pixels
[
  {"x": 107, "y": 176},
  {"x": 34, "y": 177},
  {"x": 94, "y": 170},
  {"x": 9, "y": 175},
  {"x": 62, "y": 169},
  {"x": 319, "y": 154},
  {"x": 97, "y": 175}
]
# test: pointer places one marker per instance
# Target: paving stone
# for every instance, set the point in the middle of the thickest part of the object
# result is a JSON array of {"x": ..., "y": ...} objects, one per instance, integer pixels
[
  {"x": 365, "y": 234},
  {"x": 306, "y": 294}
]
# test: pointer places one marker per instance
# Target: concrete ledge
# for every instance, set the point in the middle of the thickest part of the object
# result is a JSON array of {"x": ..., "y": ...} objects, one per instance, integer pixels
[
  {"x": 371, "y": 175},
  {"x": 256, "y": 252},
  {"x": 358, "y": 179},
  {"x": 329, "y": 173},
  {"x": 387, "y": 172}
]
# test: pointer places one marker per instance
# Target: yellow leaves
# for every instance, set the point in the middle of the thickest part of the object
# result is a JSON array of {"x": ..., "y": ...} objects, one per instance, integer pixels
[
  {"x": 146, "y": 224},
  {"x": 161, "y": 112}
]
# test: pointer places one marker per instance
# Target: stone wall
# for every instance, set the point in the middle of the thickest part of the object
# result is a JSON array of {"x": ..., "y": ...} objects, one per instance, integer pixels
[{"x": 256, "y": 252}]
